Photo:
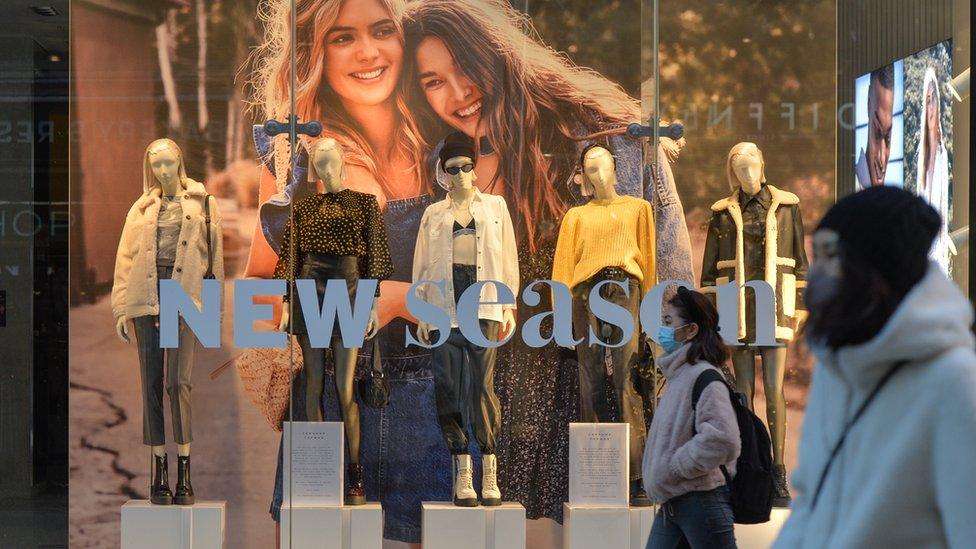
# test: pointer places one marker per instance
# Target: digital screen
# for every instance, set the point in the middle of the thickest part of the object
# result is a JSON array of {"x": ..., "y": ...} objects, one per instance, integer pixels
[{"x": 903, "y": 133}]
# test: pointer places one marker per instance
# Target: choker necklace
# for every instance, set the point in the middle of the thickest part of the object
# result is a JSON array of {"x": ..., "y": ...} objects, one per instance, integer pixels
[{"x": 484, "y": 147}]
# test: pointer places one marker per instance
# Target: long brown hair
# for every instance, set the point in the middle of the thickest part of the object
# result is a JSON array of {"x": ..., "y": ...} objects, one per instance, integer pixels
[
  {"x": 707, "y": 345},
  {"x": 536, "y": 103},
  {"x": 314, "y": 98}
]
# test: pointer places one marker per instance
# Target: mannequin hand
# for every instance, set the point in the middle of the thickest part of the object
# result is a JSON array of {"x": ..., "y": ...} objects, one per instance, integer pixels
[
  {"x": 423, "y": 333},
  {"x": 121, "y": 330},
  {"x": 508, "y": 324},
  {"x": 283, "y": 323},
  {"x": 373, "y": 325}
]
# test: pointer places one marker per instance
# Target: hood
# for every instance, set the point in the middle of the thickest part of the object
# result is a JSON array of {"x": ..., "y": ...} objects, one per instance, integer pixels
[{"x": 933, "y": 318}]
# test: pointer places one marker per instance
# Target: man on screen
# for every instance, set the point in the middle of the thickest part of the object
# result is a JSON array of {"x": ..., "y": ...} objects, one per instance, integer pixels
[{"x": 872, "y": 165}]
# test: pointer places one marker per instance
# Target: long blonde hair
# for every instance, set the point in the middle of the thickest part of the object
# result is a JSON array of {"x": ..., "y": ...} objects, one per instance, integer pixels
[
  {"x": 148, "y": 178},
  {"x": 314, "y": 99},
  {"x": 537, "y": 103}
]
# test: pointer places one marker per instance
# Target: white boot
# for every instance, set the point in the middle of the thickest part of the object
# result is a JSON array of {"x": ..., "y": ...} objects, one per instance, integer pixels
[
  {"x": 490, "y": 494},
  {"x": 464, "y": 494}
]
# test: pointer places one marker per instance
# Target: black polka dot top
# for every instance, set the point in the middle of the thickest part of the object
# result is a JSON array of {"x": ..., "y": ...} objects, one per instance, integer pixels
[{"x": 346, "y": 223}]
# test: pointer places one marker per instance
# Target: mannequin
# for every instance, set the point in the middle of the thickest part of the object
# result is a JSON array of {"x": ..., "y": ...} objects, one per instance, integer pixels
[
  {"x": 757, "y": 234},
  {"x": 609, "y": 238},
  {"x": 338, "y": 234},
  {"x": 468, "y": 237},
  {"x": 165, "y": 236}
]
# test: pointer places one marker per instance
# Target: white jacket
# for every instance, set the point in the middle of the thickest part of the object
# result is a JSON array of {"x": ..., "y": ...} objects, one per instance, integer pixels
[
  {"x": 135, "y": 291},
  {"x": 906, "y": 475},
  {"x": 497, "y": 254}
]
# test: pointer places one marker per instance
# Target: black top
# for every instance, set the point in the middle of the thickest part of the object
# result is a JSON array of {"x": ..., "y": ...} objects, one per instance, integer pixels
[
  {"x": 467, "y": 229},
  {"x": 347, "y": 223}
]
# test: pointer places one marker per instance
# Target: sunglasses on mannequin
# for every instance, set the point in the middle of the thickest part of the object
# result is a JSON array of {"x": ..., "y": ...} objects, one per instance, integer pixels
[{"x": 454, "y": 170}]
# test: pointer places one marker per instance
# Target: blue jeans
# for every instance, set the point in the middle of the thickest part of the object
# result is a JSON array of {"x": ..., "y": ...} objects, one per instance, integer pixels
[{"x": 699, "y": 520}]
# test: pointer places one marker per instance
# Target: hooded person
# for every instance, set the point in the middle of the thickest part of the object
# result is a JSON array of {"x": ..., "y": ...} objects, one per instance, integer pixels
[{"x": 886, "y": 455}]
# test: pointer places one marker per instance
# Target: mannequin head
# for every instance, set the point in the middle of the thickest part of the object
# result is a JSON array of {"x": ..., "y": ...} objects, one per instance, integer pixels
[
  {"x": 326, "y": 162},
  {"x": 746, "y": 168},
  {"x": 464, "y": 178},
  {"x": 597, "y": 171},
  {"x": 163, "y": 167},
  {"x": 457, "y": 155}
]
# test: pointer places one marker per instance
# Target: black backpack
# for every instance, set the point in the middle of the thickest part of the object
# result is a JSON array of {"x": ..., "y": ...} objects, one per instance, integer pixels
[{"x": 752, "y": 487}]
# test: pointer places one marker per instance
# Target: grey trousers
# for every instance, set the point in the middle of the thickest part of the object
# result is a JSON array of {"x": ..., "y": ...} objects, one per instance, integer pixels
[
  {"x": 175, "y": 366},
  {"x": 594, "y": 405}
]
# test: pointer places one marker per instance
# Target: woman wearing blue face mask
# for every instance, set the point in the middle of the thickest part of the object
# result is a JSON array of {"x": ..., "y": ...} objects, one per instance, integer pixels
[{"x": 687, "y": 445}]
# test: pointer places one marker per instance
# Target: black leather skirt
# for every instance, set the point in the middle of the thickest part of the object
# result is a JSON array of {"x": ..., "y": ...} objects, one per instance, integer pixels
[{"x": 321, "y": 268}]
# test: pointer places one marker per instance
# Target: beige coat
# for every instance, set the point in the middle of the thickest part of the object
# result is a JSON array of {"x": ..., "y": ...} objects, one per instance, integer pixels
[{"x": 135, "y": 291}]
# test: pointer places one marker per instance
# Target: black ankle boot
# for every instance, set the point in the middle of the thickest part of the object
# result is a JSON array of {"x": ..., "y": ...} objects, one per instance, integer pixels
[
  {"x": 781, "y": 491},
  {"x": 355, "y": 489},
  {"x": 159, "y": 492},
  {"x": 184, "y": 488},
  {"x": 638, "y": 497}
]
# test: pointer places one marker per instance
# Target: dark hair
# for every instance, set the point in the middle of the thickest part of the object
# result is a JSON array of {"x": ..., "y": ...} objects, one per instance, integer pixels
[
  {"x": 863, "y": 304},
  {"x": 884, "y": 76},
  {"x": 707, "y": 345},
  {"x": 589, "y": 148}
]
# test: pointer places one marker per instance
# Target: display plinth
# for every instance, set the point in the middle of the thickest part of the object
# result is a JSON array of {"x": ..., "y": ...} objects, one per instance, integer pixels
[
  {"x": 606, "y": 527},
  {"x": 148, "y": 526},
  {"x": 761, "y": 536},
  {"x": 446, "y": 526},
  {"x": 351, "y": 527}
]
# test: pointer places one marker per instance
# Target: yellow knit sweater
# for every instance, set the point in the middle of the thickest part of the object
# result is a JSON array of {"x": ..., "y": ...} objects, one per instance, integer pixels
[{"x": 600, "y": 234}]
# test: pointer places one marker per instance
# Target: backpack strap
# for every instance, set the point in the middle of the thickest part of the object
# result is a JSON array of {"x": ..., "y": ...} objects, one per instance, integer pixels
[{"x": 704, "y": 380}]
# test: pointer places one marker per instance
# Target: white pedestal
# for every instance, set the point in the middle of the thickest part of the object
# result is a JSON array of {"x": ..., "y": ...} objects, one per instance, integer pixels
[
  {"x": 352, "y": 527},
  {"x": 446, "y": 526},
  {"x": 148, "y": 526},
  {"x": 641, "y": 520},
  {"x": 602, "y": 527},
  {"x": 761, "y": 536}
]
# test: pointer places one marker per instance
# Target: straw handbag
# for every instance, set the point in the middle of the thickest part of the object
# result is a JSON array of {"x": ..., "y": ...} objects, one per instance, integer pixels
[{"x": 267, "y": 375}]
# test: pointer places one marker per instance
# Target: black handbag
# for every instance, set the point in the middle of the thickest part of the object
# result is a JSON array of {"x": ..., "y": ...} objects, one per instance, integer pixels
[
  {"x": 209, "y": 275},
  {"x": 373, "y": 389}
]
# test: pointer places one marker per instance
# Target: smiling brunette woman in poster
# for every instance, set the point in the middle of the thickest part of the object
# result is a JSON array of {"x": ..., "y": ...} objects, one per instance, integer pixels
[
  {"x": 350, "y": 57},
  {"x": 476, "y": 66}
]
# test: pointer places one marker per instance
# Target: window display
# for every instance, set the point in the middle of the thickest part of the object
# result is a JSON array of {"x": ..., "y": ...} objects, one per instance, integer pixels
[{"x": 432, "y": 146}]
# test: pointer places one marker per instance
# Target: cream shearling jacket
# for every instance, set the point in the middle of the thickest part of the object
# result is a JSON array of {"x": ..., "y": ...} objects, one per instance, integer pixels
[{"x": 135, "y": 291}]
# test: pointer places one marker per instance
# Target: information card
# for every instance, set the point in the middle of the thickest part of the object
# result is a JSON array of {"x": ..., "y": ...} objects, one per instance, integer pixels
[
  {"x": 313, "y": 459},
  {"x": 598, "y": 464}
]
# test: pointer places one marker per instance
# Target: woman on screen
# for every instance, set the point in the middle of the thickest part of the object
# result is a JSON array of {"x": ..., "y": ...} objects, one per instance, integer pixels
[{"x": 932, "y": 164}]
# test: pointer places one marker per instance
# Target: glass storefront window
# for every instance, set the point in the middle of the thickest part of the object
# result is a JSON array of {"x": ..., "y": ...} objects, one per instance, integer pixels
[{"x": 262, "y": 140}]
